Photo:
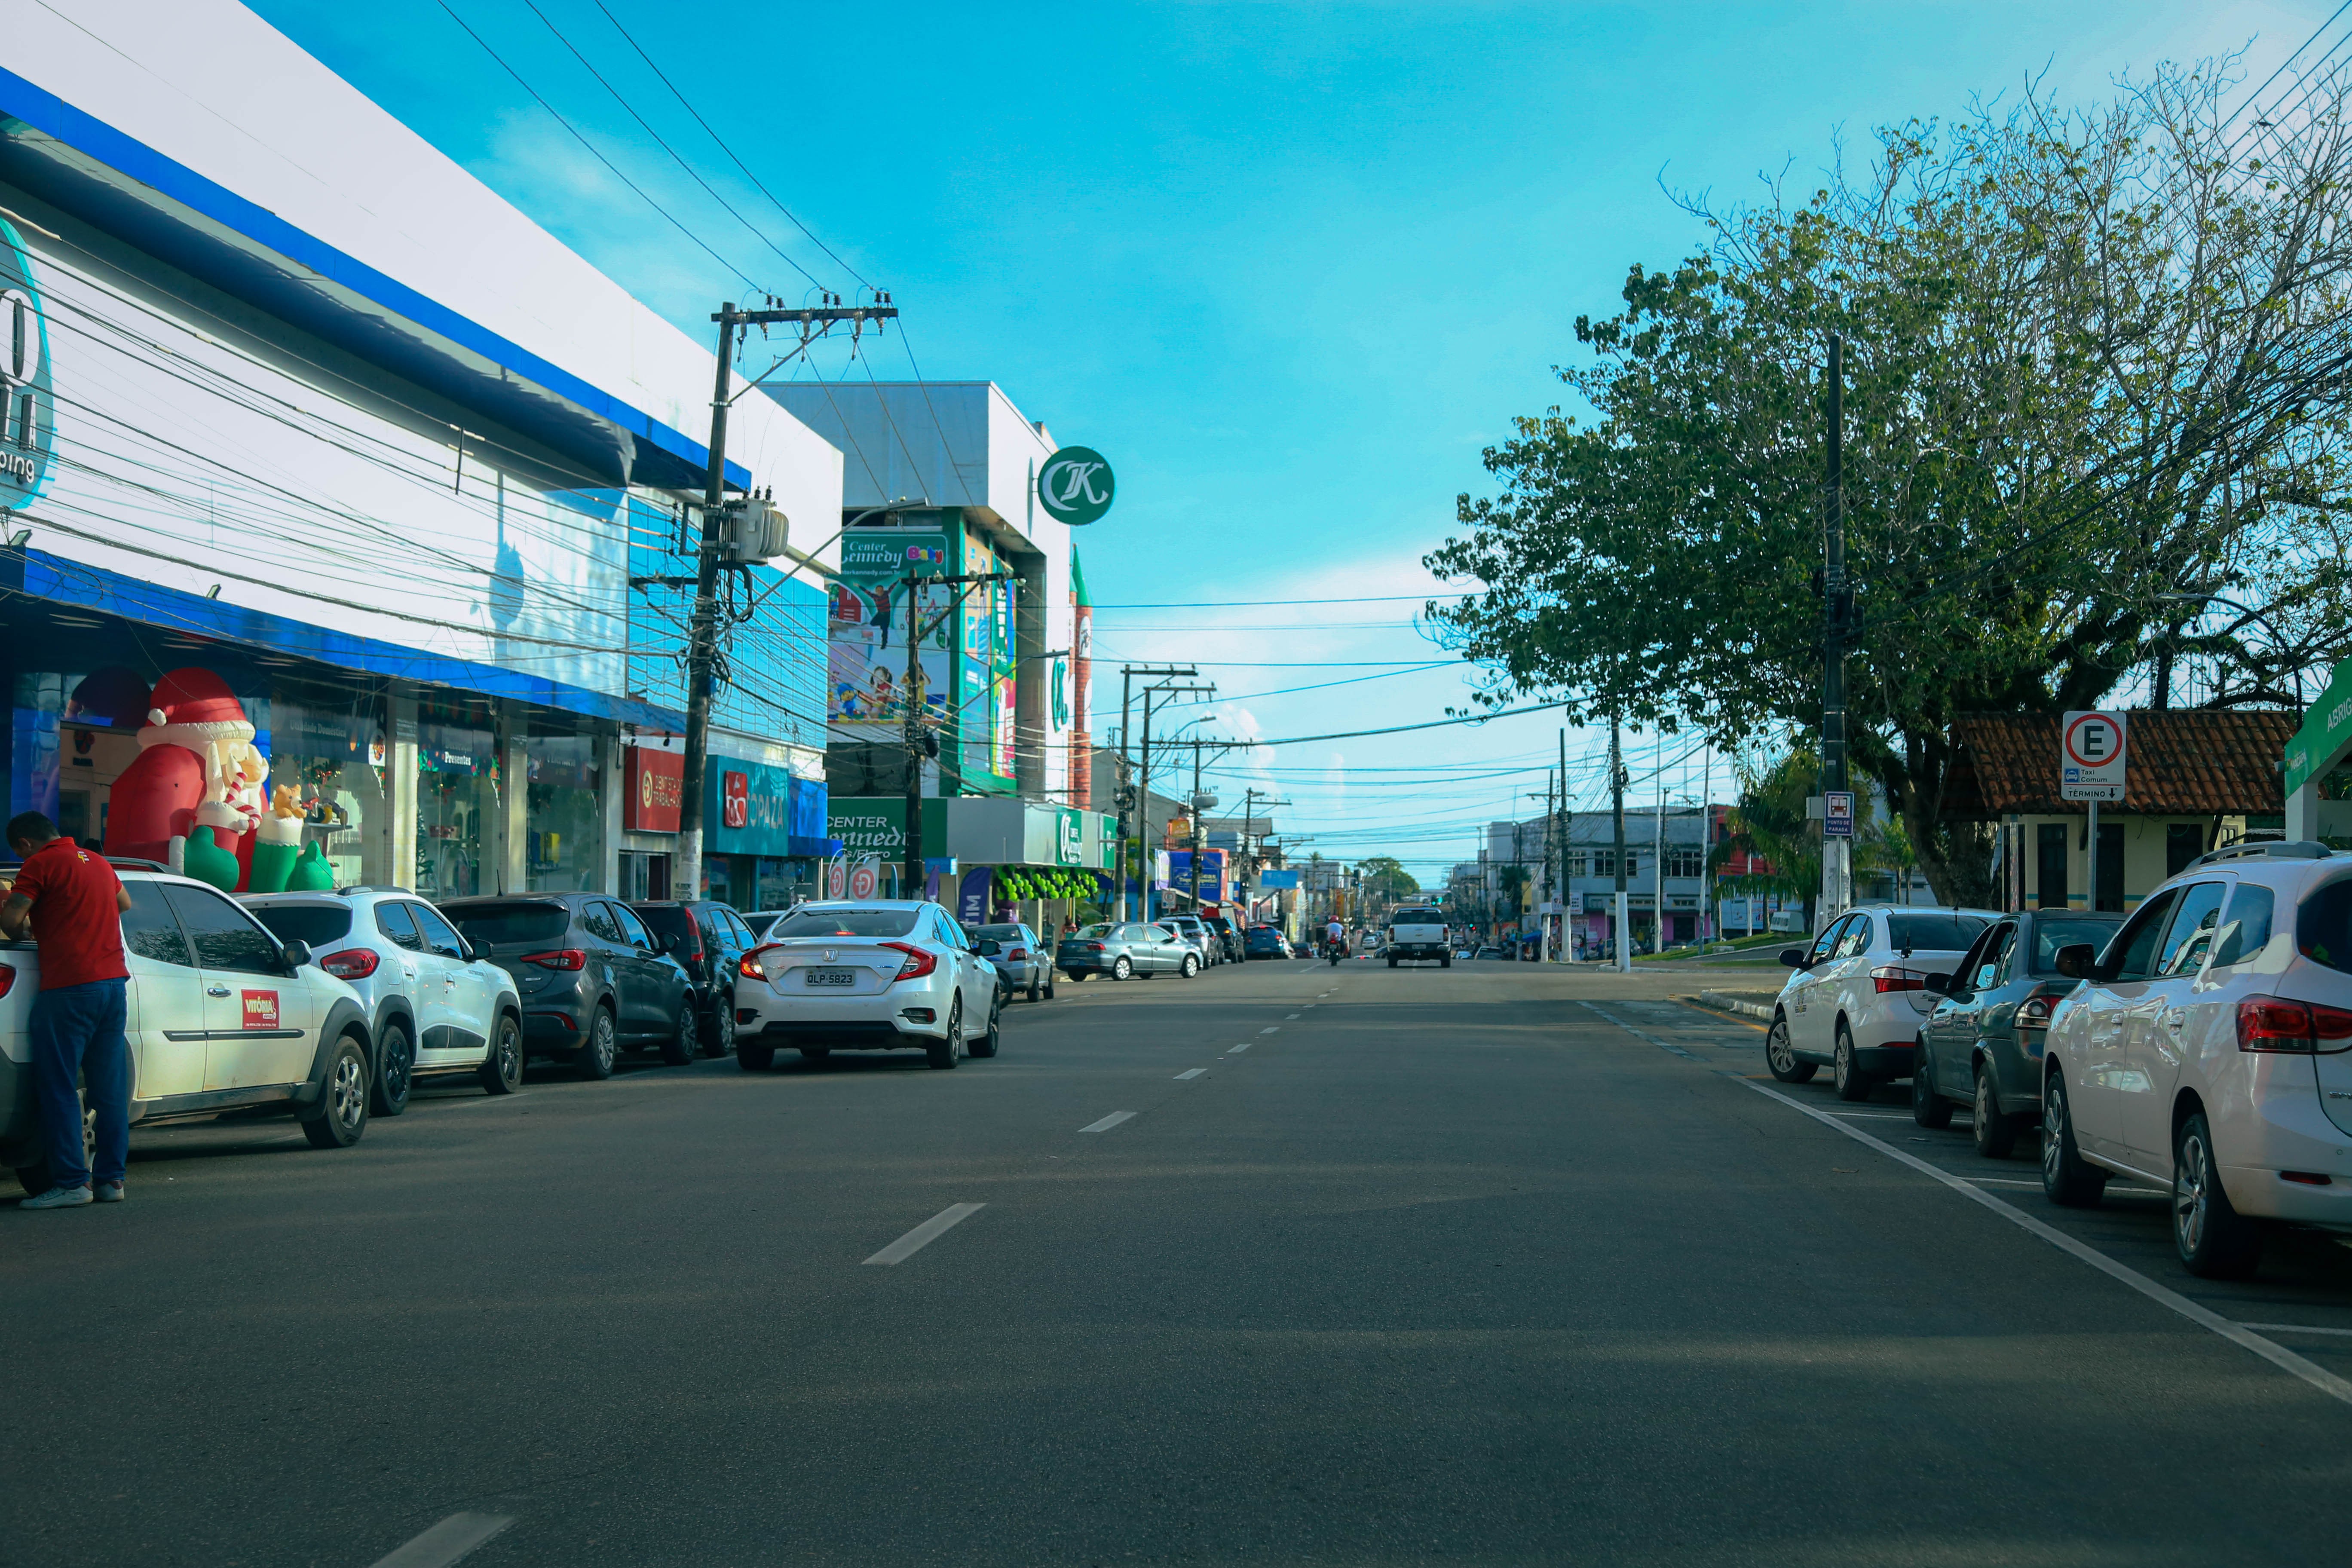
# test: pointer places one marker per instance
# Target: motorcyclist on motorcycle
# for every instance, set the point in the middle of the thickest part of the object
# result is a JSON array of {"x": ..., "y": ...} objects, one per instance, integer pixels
[{"x": 1335, "y": 941}]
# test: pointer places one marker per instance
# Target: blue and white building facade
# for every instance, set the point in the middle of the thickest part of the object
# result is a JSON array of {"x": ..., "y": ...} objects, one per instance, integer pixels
[{"x": 293, "y": 398}]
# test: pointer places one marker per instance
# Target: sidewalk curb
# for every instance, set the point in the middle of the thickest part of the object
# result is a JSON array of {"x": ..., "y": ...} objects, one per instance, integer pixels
[{"x": 1722, "y": 1002}]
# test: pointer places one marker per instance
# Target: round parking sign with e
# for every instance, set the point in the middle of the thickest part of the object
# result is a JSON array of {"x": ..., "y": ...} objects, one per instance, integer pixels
[{"x": 2095, "y": 741}]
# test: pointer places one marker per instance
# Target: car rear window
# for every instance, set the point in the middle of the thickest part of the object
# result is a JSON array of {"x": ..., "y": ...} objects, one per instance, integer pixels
[
  {"x": 842, "y": 922},
  {"x": 496, "y": 925},
  {"x": 316, "y": 924},
  {"x": 2323, "y": 926},
  {"x": 1936, "y": 933},
  {"x": 667, "y": 919},
  {"x": 1416, "y": 918},
  {"x": 998, "y": 934},
  {"x": 2051, "y": 933}
]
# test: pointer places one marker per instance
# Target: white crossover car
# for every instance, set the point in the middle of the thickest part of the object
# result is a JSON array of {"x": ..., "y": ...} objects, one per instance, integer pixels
[
  {"x": 1854, "y": 1000},
  {"x": 436, "y": 1007},
  {"x": 880, "y": 975},
  {"x": 2208, "y": 1049}
]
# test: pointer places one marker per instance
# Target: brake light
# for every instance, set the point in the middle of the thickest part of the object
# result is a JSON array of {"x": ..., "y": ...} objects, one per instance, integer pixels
[
  {"x": 2284, "y": 1024},
  {"x": 917, "y": 964},
  {"x": 8, "y": 977},
  {"x": 1016, "y": 953},
  {"x": 561, "y": 958},
  {"x": 1886, "y": 977},
  {"x": 350, "y": 963},
  {"x": 750, "y": 967}
]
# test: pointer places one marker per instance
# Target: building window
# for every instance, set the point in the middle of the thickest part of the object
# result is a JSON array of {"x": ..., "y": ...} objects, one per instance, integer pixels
[
  {"x": 457, "y": 795},
  {"x": 1690, "y": 862},
  {"x": 2183, "y": 842},
  {"x": 330, "y": 748}
]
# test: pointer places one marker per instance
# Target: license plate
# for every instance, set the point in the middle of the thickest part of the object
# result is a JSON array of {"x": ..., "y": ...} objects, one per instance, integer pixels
[{"x": 831, "y": 976}]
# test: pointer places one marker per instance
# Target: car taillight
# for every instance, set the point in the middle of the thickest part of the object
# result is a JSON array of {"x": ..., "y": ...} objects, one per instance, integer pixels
[
  {"x": 1092, "y": 946},
  {"x": 561, "y": 958},
  {"x": 917, "y": 964},
  {"x": 1016, "y": 953},
  {"x": 350, "y": 963},
  {"x": 750, "y": 967},
  {"x": 2284, "y": 1024},
  {"x": 1887, "y": 977},
  {"x": 2032, "y": 1014},
  {"x": 8, "y": 977}
]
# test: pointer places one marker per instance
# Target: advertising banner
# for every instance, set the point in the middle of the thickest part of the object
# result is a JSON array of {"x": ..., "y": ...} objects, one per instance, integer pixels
[
  {"x": 986, "y": 672},
  {"x": 971, "y": 896},
  {"x": 759, "y": 808},
  {"x": 865, "y": 633},
  {"x": 656, "y": 790},
  {"x": 1279, "y": 878}
]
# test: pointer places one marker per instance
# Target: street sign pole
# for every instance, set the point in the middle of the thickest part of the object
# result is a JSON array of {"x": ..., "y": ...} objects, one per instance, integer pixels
[{"x": 2092, "y": 745}]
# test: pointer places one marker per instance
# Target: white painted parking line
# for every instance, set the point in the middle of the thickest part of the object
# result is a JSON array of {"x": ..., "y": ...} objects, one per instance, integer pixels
[
  {"x": 1878, "y": 1115},
  {"x": 2238, "y": 1334},
  {"x": 923, "y": 1234},
  {"x": 1639, "y": 1034},
  {"x": 1270, "y": 1028},
  {"x": 445, "y": 1541},
  {"x": 1195, "y": 1072},
  {"x": 2021, "y": 1182},
  {"x": 1108, "y": 1123},
  {"x": 1239, "y": 1050},
  {"x": 2298, "y": 1329}
]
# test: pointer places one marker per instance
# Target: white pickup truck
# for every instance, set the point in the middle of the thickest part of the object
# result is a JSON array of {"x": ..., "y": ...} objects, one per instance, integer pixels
[
  {"x": 223, "y": 1017},
  {"x": 1419, "y": 933}
]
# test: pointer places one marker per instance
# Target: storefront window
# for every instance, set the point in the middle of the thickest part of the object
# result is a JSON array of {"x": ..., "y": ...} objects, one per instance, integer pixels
[
  {"x": 563, "y": 810},
  {"x": 456, "y": 796},
  {"x": 328, "y": 748}
]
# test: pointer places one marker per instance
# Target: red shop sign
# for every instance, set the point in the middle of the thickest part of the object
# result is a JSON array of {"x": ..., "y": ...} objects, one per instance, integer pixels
[{"x": 656, "y": 790}]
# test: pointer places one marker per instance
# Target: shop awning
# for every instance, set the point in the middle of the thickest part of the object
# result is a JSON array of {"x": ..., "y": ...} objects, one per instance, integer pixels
[{"x": 39, "y": 581}]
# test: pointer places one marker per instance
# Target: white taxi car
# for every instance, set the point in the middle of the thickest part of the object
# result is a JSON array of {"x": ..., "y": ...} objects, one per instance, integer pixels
[
  {"x": 223, "y": 1016},
  {"x": 435, "y": 1008},
  {"x": 1854, "y": 1000},
  {"x": 2208, "y": 1049},
  {"x": 878, "y": 976}
]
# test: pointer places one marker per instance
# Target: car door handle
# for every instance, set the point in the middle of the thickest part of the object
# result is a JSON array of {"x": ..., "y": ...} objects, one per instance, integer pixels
[{"x": 215, "y": 989}]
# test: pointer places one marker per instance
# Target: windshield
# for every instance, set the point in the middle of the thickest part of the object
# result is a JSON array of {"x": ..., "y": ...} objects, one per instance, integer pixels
[
  {"x": 316, "y": 924},
  {"x": 501, "y": 925},
  {"x": 1937, "y": 932},
  {"x": 842, "y": 922}
]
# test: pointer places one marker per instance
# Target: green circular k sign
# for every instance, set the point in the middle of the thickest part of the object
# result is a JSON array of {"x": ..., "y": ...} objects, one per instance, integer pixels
[{"x": 1074, "y": 486}]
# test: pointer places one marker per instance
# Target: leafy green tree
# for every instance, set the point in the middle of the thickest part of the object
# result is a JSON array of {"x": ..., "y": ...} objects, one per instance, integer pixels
[
  {"x": 2094, "y": 377},
  {"x": 1769, "y": 824},
  {"x": 1385, "y": 878}
]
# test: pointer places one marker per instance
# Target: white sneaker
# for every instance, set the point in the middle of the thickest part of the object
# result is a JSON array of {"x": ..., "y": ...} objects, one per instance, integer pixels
[
  {"x": 109, "y": 1193},
  {"x": 58, "y": 1198}
]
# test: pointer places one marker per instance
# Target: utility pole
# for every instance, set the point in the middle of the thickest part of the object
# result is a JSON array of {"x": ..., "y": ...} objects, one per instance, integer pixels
[
  {"x": 1126, "y": 674},
  {"x": 921, "y": 744},
  {"x": 1567, "y": 821},
  {"x": 1658, "y": 853},
  {"x": 701, "y": 636},
  {"x": 1837, "y": 603},
  {"x": 1620, "y": 931}
]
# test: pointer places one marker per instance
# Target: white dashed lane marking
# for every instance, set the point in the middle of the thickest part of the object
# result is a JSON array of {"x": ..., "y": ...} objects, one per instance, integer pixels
[
  {"x": 445, "y": 1541},
  {"x": 1270, "y": 1028},
  {"x": 1108, "y": 1123},
  {"x": 923, "y": 1234},
  {"x": 1239, "y": 1050},
  {"x": 1195, "y": 1072}
]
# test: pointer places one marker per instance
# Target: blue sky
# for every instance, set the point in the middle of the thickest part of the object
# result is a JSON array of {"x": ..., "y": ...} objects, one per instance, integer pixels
[{"x": 1290, "y": 267}]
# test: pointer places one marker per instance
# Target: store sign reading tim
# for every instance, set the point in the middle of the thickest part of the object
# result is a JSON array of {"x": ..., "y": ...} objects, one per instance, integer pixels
[
  {"x": 28, "y": 411},
  {"x": 656, "y": 790}
]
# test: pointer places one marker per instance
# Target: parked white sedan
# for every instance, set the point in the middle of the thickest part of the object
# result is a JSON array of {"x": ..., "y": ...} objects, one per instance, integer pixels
[
  {"x": 874, "y": 976},
  {"x": 2210, "y": 1050},
  {"x": 1854, "y": 1000}
]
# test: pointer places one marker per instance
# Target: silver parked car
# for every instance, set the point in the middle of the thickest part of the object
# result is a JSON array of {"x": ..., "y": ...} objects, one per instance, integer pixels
[
  {"x": 1022, "y": 964},
  {"x": 1203, "y": 940},
  {"x": 1124, "y": 949}
]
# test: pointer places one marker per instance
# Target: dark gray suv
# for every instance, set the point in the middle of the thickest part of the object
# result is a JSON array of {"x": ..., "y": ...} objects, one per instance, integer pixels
[{"x": 592, "y": 976}]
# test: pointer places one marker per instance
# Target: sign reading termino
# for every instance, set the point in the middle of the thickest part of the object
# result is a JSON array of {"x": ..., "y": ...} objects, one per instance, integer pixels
[{"x": 2090, "y": 749}]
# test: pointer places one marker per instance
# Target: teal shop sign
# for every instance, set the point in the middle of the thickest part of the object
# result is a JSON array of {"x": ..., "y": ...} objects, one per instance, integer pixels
[
  {"x": 1075, "y": 486},
  {"x": 28, "y": 419}
]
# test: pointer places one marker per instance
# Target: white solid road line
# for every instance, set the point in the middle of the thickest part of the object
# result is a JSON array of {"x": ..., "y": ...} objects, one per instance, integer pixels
[
  {"x": 1108, "y": 1123},
  {"x": 445, "y": 1541},
  {"x": 1195, "y": 1072},
  {"x": 2298, "y": 1329},
  {"x": 2238, "y": 1334},
  {"x": 923, "y": 1234},
  {"x": 1239, "y": 1050}
]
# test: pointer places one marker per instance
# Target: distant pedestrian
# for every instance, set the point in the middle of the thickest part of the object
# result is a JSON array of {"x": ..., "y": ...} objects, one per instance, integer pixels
[{"x": 72, "y": 903}]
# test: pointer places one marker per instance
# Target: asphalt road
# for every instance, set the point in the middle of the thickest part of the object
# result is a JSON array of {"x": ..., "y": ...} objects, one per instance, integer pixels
[{"x": 1490, "y": 1265}]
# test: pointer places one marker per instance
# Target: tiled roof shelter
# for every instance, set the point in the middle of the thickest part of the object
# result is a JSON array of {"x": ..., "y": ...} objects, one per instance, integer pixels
[{"x": 2179, "y": 763}]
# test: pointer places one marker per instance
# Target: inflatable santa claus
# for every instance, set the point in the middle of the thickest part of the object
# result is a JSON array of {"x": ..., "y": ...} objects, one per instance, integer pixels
[{"x": 194, "y": 796}]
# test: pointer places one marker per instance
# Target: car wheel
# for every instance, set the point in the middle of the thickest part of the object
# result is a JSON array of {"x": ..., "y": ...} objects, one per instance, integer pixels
[
  {"x": 1995, "y": 1132},
  {"x": 1845, "y": 1074},
  {"x": 1191, "y": 967},
  {"x": 719, "y": 1041},
  {"x": 819, "y": 1054},
  {"x": 1391, "y": 963},
  {"x": 753, "y": 1057},
  {"x": 1049, "y": 985},
  {"x": 1120, "y": 968},
  {"x": 395, "y": 1072},
  {"x": 341, "y": 1114},
  {"x": 684, "y": 1044},
  {"x": 1928, "y": 1108},
  {"x": 2067, "y": 1179},
  {"x": 1782, "y": 1056},
  {"x": 2214, "y": 1240},
  {"x": 596, "y": 1055},
  {"x": 501, "y": 1070},
  {"x": 943, "y": 1053},
  {"x": 1445, "y": 963},
  {"x": 1035, "y": 990}
]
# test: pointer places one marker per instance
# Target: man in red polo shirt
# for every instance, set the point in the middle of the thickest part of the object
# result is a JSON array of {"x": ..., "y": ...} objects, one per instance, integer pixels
[{"x": 69, "y": 900}]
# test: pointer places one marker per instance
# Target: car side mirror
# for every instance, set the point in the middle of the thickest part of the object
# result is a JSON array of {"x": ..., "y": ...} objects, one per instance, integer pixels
[
  {"x": 1941, "y": 985},
  {"x": 989, "y": 948},
  {"x": 1794, "y": 957},
  {"x": 2076, "y": 961},
  {"x": 298, "y": 954},
  {"x": 673, "y": 944}
]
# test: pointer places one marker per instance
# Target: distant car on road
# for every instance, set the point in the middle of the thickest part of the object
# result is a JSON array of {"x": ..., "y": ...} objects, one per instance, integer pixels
[
  {"x": 1265, "y": 942},
  {"x": 1490, "y": 952},
  {"x": 1856, "y": 999},
  {"x": 1022, "y": 964},
  {"x": 1125, "y": 949},
  {"x": 592, "y": 976},
  {"x": 1982, "y": 1044}
]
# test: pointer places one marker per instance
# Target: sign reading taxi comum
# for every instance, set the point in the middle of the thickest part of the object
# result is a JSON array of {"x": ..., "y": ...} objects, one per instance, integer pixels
[{"x": 1075, "y": 486}]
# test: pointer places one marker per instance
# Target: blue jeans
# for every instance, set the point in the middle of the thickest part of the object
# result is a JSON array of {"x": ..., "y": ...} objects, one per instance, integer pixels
[{"x": 76, "y": 1032}]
